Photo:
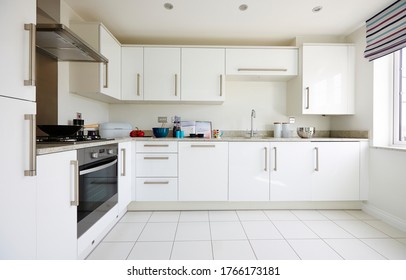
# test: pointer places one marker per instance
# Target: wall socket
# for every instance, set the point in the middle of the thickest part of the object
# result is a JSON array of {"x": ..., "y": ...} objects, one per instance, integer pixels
[
  {"x": 291, "y": 119},
  {"x": 162, "y": 119}
]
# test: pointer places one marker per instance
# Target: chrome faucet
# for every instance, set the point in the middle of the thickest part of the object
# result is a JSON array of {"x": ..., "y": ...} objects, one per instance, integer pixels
[{"x": 253, "y": 115}]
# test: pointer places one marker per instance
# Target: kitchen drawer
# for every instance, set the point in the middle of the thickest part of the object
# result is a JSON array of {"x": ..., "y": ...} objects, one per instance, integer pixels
[
  {"x": 156, "y": 165},
  {"x": 153, "y": 189},
  {"x": 156, "y": 146}
]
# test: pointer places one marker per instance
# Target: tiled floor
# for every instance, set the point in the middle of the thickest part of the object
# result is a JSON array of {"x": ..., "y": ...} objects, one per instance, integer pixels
[{"x": 250, "y": 235}]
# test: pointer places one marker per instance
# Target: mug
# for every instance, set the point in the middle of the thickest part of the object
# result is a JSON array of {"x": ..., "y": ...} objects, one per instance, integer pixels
[{"x": 217, "y": 133}]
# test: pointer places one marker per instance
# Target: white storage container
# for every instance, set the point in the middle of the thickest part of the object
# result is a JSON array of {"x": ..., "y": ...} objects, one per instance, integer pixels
[{"x": 114, "y": 130}]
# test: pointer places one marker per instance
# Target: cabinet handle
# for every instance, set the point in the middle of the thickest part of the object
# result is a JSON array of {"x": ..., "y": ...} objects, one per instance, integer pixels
[
  {"x": 106, "y": 75},
  {"x": 138, "y": 84},
  {"x": 75, "y": 165},
  {"x": 317, "y": 159},
  {"x": 156, "y": 158},
  {"x": 156, "y": 183},
  {"x": 156, "y": 145},
  {"x": 176, "y": 84},
  {"x": 307, "y": 97},
  {"x": 266, "y": 159},
  {"x": 32, "y": 171},
  {"x": 123, "y": 161},
  {"x": 221, "y": 85},
  {"x": 275, "y": 168},
  {"x": 31, "y": 76},
  {"x": 203, "y": 146},
  {"x": 262, "y": 69}
]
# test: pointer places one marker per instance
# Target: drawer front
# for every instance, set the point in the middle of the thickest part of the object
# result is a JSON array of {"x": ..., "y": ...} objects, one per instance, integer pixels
[
  {"x": 156, "y": 146},
  {"x": 154, "y": 189},
  {"x": 156, "y": 165}
]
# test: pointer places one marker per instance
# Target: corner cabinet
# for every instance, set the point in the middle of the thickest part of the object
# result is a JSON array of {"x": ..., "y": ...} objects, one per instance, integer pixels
[{"x": 97, "y": 80}]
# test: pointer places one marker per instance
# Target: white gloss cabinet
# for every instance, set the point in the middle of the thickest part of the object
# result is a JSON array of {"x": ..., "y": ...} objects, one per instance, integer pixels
[
  {"x": 56, "y": 208},
  {"x": 249, "y": 170},
  {"x": 132, "y": 73},
  {"x": 203, "y": 171},
  {"x": 203, "y": 74},
  {"x": 124, "y": 175},
  {"x": 162, "y": 74}
]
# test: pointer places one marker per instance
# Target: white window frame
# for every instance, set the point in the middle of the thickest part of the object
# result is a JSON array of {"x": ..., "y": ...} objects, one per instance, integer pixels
[{"x": 397, "y": 100}]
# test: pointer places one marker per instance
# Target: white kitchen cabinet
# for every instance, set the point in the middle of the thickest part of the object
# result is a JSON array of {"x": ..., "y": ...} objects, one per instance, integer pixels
[
  {"x": 157, "y": 165},
  {"x": 249, "y": 171},
  {"x": 203, "y": 74},
  {"x": 203, "y": 171},
  {"x": 157, "y": 189},
  {"x": 132, "y": 73},
  {"x": 291, "y": 171},
  {"x": 15, "y": 49},
  {"x": 56, "y": 216},
  {"x": 162, "y": 74},
  {"x": 263, "y": 63},
  {"x": 18, "y": 192},
  {"x": 124, "y": 175},
  {"x": 97, "y": 80},
  {"x": 336, "y": 171}
]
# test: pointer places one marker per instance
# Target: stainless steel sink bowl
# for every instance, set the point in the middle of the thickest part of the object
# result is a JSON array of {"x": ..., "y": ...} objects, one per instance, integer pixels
[{"x": 306, "y": 132}]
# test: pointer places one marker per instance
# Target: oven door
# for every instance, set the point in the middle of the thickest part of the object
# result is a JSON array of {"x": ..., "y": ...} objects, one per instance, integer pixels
[{"x": 97, "y": 191}]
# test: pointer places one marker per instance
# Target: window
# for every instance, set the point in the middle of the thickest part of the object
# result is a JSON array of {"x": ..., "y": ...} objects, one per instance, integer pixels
[{"x": 399, "y": 108}]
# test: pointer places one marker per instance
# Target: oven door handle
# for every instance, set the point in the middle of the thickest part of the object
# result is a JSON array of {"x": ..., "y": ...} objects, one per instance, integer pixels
[{"x": 97, "y": 168}]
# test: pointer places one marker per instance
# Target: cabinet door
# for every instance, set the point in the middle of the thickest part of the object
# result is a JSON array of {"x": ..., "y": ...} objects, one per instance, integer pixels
[
  {"x": 328, "y": 86},
  {"x": 15, "y": 48},
  {"x": 56, "y": 216},
  {"x": 132, "y": 73},
  {"x": 203, "y": 171},
  {"x": 162, "y": 74},
  {"x": 291, "y": 171},
  {"x": 156, "y": 189},
  {"x": 336, "y": 171},
  {"x": 18, "y": 192},
  {"x": 124, "y": 175},
  {"x": 249, "y": 171},
  {"x": 203, "y": 74}
]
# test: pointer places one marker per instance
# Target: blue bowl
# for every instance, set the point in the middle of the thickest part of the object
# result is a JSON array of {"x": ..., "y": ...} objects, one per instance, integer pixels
[{"x": 160, "y": 132}]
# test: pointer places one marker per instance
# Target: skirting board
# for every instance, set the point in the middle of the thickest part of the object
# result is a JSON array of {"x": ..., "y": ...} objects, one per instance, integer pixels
[
  {"x": 243, "y": 205},
  {"x": 385, "y": 216}
]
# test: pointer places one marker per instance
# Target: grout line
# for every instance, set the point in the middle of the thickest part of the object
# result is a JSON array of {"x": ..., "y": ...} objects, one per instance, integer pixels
[{"x": 249, "y": 241}]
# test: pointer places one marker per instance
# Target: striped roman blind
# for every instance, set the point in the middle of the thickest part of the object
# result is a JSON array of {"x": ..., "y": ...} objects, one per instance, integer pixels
[{"x": 386, "y": 31}]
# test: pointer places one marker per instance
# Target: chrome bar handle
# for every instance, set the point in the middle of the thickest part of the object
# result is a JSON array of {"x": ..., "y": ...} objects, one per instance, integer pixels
[
  {"x": 123, "y": 162},
  {"x": 176, "y": 84},
  {"x": 157, "y": 145},
  {"x": 31, "y": 76},
  {"x": 275, "y": 168},
  {"x": 156, "y": 158},
  {"x": 75, "y": 165},
  {"x": 156, "y": 183},
  {"x": 262, "y": 69},
  {"x": 266, "y": 158},
  {"x": 32, "y": 171},
  {"x": 317, "y": 159},
  {"x": 138, "y": 84},
  {"x": 221, "y": 85},
  {"x": 307, "y": 97},
  {"x": 106, "y": 80},
  {"x": 203, "y": 146}
]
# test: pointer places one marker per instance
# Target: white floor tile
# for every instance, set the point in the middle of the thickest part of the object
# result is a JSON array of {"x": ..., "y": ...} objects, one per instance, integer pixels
[
  {"x": 281, "y": 215},
  {"x": 273, "y": 250},
  {"x": 151, "y": 251},
  {"x": 233, "y": 250},
  {"x": 158, "y": 232},
  {"x": 252, "y": 215},
  {"x": 136, "y": 217},
  {"x": 294, "y": 230},
  {"x": 389, "y": 248},
  {"x": 387, "y": 229},
  {"x": 227, "y": 231},
  {"x": 111, "y": 251},
  {"x": 193, "y": 231},
  {"x": 164, "y": 217},
  {"x": 223, "y": 216},
  {"x": 125, "y": 232},
  {"x": 361, "y": 229},
  {"x": 194, "y": 216},
  {"x": 361, "y": 215},
  {"x": 314, "y": 249},
  {"x": 261, "y": 230},
  {"x": 337, "y": 215},
  {"x": 309, "y": 215},
  {"x": 327, "y": 229},
  {"x": 192, "y": 250},
  {"x": 353, "y": 249}
]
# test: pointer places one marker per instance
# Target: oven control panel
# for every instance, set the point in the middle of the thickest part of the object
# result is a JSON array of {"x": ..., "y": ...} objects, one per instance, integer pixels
[{"x": 91, "y": 154}]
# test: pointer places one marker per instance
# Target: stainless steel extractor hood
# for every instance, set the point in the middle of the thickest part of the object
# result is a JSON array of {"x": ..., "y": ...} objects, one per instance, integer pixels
[{"x": 61, "y": 43}]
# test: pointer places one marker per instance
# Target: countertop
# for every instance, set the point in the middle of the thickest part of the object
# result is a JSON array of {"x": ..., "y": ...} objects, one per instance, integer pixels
[{"x": 43, "y": 149}]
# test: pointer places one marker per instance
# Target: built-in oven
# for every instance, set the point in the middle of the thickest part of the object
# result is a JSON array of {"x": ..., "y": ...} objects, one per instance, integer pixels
[{"x": 98, "y": 188}]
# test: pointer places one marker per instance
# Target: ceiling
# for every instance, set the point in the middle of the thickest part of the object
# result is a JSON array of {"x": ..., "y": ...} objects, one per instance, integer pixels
[{"x": 264, "y": 22}]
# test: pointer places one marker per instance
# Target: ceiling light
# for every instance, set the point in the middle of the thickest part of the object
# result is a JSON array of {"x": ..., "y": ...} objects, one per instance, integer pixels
[
  {"x": 168, "y": 6},
  {"x": 317, "y": 9},
  {"x": 243, "y": 7}
]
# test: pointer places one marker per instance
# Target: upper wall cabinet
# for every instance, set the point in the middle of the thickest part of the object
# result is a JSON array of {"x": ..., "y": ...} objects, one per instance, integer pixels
[
  {"x": 327, "y": 83},
  {"x": 97, "y": 80},
  {"x": 203, "y": 74},
  {"x": 261, "y": 63},
  {"x": 132, "y": 73}
]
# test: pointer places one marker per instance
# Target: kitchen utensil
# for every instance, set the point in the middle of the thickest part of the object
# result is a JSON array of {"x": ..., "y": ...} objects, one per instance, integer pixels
[
  {"x": 59, "y": 130},
  {"x": 217, "y": 133},
  {"x": 114, "y": 129},
  {"x": 306, "y": 132},
  {"x": 160, "y": 132}
]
